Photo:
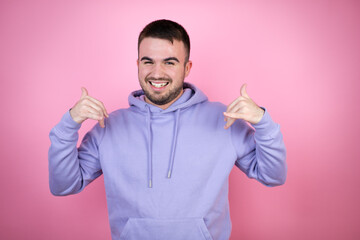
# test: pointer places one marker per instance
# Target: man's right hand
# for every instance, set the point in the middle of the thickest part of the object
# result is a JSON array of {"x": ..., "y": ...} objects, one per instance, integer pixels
[{"x": 88, "y": 107}]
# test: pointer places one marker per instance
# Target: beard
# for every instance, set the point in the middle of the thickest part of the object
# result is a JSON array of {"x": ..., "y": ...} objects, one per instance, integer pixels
[{"x": 162, "y": 99}]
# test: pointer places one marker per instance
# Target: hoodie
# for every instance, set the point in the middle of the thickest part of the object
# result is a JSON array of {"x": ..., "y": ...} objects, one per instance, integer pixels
[{"x": 166, "y": 171}]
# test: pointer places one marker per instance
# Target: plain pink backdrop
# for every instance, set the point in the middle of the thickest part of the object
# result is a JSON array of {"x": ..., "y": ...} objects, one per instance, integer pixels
[{"x": 301, "y": 60}]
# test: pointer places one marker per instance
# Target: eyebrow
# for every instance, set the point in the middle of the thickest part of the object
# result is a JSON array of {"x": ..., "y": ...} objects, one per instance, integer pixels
[
  {"x": 146, "y": 58},
  {"x": 171, "y": 59},
  {"x": 165, "y": 60}
]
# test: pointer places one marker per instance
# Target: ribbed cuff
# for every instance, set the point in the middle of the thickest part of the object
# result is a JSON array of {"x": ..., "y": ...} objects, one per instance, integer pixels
[
  {"x": 67, "y": 127},
  {"x": 266, "y": 126}
]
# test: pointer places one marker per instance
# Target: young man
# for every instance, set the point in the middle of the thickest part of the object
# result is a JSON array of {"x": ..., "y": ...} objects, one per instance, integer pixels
[{"x": 166, "y": 159}]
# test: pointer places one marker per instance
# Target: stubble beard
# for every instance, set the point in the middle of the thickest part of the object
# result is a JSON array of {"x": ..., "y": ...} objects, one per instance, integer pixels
[{"x": 160, "y": 99}]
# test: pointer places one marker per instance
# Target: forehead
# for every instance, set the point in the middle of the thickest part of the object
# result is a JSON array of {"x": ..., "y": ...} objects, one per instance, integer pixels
[{"x": 161, "y": 48}]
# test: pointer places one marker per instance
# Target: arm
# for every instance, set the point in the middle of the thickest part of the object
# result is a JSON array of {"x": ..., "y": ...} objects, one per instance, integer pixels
[
  {"x": 261, "y": 153},
  {"x": 71, "y": 169}
]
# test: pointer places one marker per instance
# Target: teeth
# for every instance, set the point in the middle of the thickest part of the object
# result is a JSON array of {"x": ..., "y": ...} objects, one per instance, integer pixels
[{"x": 158, "y": 85}]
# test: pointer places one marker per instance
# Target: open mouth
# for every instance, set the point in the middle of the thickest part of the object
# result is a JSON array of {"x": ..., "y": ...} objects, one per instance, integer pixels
[{"x": 158, "y": 84}]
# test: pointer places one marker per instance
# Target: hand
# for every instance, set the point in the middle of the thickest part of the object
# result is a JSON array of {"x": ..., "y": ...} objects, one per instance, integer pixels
[
  {"x": 243, "y": 108},
  {"x": 88, "y": 107}
]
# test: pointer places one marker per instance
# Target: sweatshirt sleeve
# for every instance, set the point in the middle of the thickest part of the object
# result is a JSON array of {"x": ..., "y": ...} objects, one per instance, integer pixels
[
  {"x": 72, "y": 169},
  {"x": 260, "y": 150}
]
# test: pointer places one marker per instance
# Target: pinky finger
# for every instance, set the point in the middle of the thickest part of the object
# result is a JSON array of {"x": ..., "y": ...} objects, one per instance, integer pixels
[
  {"x": 233, "y": 115},
  {"x": 102, "y": 123},
  {"x": 229, "y": 122}
]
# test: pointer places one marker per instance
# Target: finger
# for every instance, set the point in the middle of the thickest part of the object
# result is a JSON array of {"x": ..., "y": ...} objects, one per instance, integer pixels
[
  {"x": 84, "y": 93},
  {"x": 243, "y": 90},
  {"x": 100, "y": 104},
  {"x": 234, "y": 115},
  {"x": 102, "y": 123},
  {"x": 231, "y": 105},
  {"x": 240, "y": 102},
  {"x": 235, "y": 102},
  {"x": 229, "y": 122},
  {"x": 88, "y": 101},
  {"x": 92, "y": 113},
  {"x": 237, "y": 109}
]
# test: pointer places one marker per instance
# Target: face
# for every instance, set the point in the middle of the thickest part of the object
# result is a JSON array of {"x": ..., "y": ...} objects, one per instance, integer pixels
[{"x": 162, "y": 70}]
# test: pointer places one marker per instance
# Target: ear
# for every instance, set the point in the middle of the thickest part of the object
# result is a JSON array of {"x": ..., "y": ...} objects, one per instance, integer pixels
[
  {"x": 137, "y": 62},
  {"x": 188, "y": 68}
]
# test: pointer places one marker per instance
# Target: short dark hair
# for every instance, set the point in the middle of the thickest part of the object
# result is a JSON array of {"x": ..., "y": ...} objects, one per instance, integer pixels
[{"x": 168, "y": 30}]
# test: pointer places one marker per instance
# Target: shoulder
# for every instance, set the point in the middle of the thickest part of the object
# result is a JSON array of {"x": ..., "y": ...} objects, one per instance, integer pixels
[
  {"x": 206, "y": 114},
  {"x": 119, "y": 112},
  {"x": 215, "y": 107},
  {"x": 119, "y": 115}
]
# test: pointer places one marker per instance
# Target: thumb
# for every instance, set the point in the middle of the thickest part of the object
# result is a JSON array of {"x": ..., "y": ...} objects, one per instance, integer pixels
[
  {"x": 243, "y": 90},
  {"x": 84, "y": 92}
]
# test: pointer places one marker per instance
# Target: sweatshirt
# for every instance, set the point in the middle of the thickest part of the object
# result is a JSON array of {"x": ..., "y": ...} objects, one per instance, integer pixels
[{"x": 166, "y": 171}]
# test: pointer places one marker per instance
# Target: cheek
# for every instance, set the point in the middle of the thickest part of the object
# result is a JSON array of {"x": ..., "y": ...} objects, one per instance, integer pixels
[
  {"x": 143, "y": 72},
  {"x": 176, "y": 73}
]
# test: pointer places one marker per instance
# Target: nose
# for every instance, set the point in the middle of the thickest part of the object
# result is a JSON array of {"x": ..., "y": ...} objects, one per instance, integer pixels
[{"x": 158, "y": 71}]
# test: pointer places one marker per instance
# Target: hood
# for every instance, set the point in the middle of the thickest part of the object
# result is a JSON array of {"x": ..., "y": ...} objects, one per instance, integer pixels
[{"x": 190, "y": 97}]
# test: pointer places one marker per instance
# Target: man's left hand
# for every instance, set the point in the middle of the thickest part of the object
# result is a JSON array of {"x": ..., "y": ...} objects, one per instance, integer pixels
[{"x": 243, "y": 108}]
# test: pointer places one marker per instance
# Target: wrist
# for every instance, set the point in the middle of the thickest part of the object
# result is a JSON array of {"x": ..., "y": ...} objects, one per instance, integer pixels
[
  {"x": 260, "y": 115},
  {"x": 75, "y": 117}
]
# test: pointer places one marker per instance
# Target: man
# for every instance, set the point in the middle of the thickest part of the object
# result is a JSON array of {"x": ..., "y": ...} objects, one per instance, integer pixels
[{"x": 166, "y": 159}]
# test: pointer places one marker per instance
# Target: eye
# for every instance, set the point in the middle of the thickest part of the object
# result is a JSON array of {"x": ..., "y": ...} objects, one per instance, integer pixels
[
  {"x": 169, "y": 63},
  {"x": 147, "y": 62}
]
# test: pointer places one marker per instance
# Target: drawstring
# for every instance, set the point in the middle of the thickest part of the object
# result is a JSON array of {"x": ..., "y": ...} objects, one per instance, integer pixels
[
  {"x": 172, "y": 156},
  {"x": 148, "y": 123}
]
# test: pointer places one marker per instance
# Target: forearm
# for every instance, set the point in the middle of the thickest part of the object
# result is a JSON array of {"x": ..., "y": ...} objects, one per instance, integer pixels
[
  {"x": 265, "y": 158},
  {"x": 64, "y": 169},
  {"x": 270, "y": 152}
]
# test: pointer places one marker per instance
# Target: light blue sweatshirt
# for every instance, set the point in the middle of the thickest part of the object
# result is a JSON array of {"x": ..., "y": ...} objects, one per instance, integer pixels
[{"x": 166, "y": 171}]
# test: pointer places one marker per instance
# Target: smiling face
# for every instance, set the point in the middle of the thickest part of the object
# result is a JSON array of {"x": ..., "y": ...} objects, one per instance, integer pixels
[{"x": 162, "y": 70}]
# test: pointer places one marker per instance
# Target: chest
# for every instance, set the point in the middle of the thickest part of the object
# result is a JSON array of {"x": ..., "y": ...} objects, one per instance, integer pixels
[{"x": 201, "y": 149}]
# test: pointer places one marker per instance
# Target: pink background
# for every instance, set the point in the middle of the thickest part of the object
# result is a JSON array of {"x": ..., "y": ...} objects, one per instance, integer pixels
[{"x": 301, "y": 60}]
